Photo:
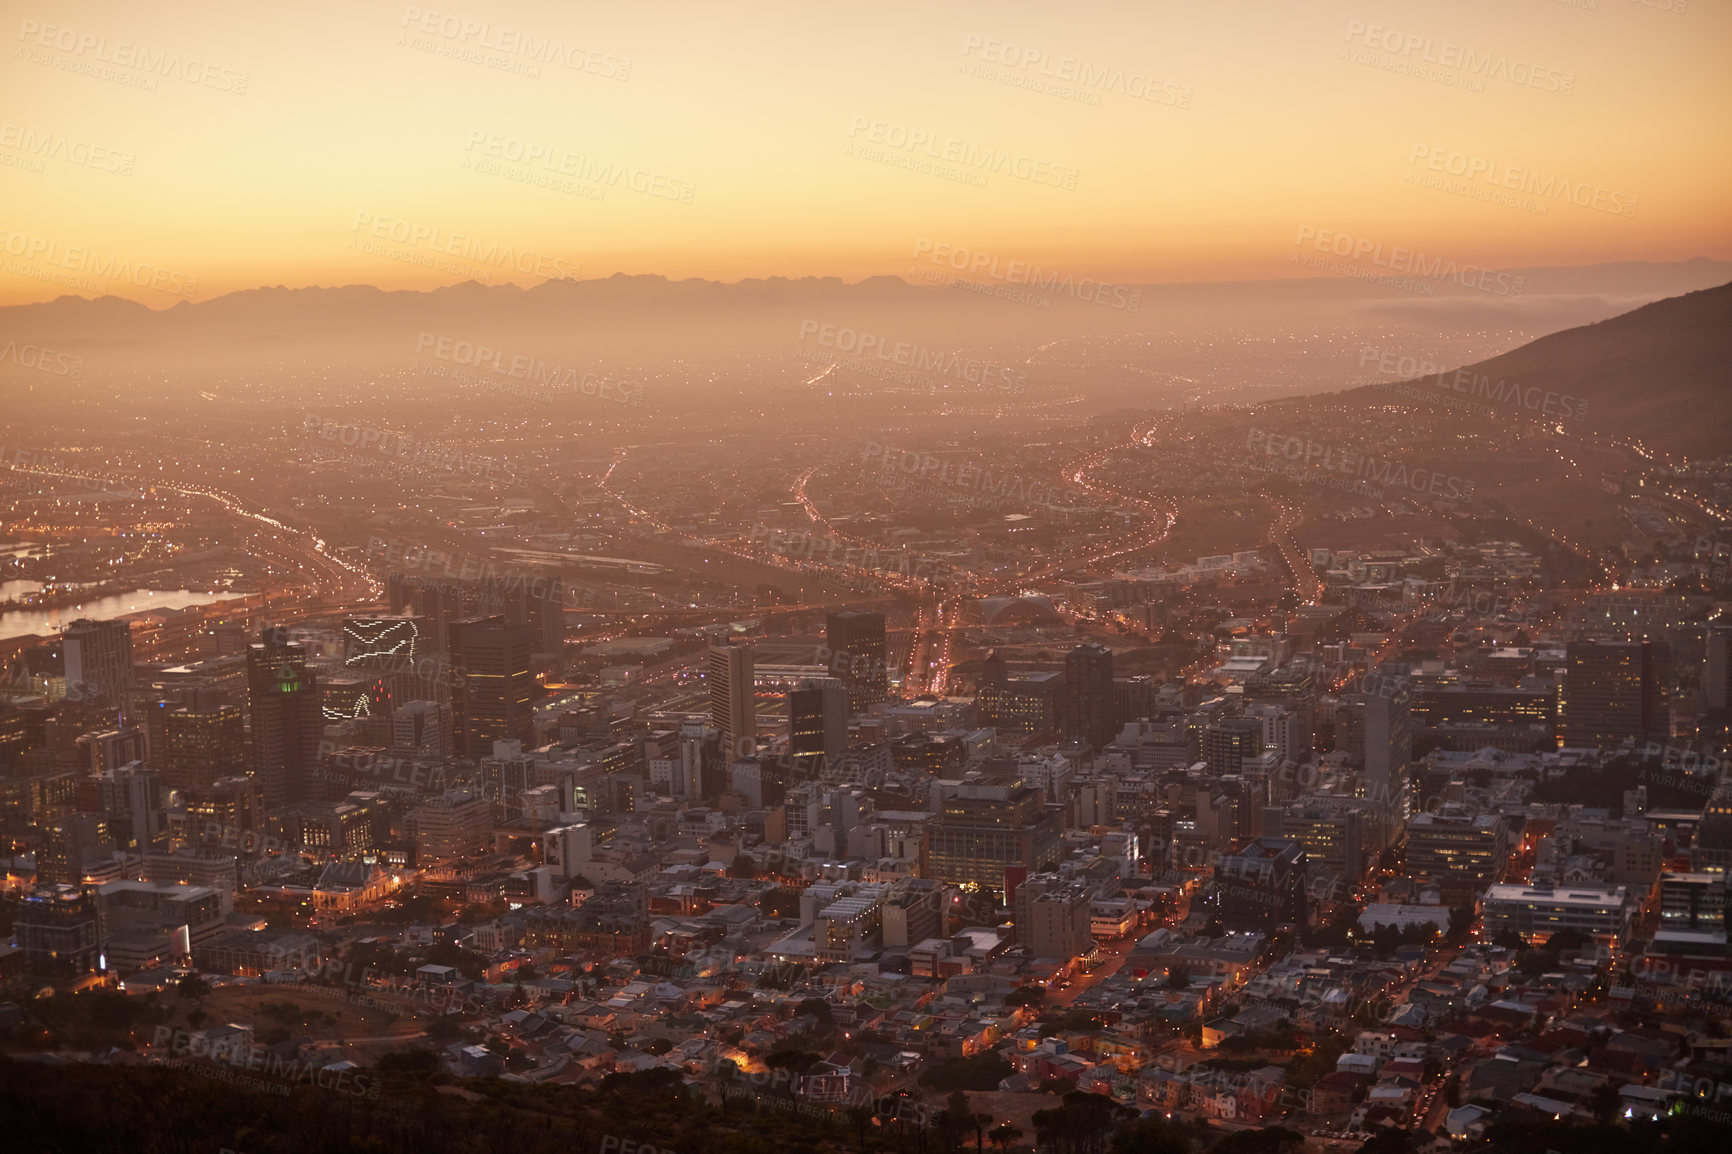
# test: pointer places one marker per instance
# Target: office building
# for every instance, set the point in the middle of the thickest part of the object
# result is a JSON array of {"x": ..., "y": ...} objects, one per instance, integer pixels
[
  {"x": 198, "y": 740},
  {"x": 1231, "y": 741},
  {"x": 1029, "y": 704},
  {"x": 459, "y": 824},
  {"x": 733, "y": 700},
  {"x": 98, "y": 658},
  {"x": 1261, "y": 886},
  {"x": 859, "y": 655},
  {"x": 1388, "y": 719},
  {"x": 1460, "y": 852},
  {"x": 287, "y": 723},
  {"x": 1054, "y": 917},
  {"x": 817, "y": 725},
  {"x": 1538, "y": 912},
  {"x": 56, "y": 927},
  {"x": 1693, "y": 902},
  {"x": 1613, "y": 691},
  {"x": 146, "y": 923},
  {"x": 1090, "y": 712},
  {"x": 1717, "y": 669},
  {"x": 992, "y": 836},
  {"x": 493, "y": 688}
]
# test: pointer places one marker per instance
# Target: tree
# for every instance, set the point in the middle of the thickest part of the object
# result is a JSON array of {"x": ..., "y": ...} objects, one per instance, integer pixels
[
  {"x": 814, "y": 1008},
  {"x": 1389, "y": 1140},
  {"x": 1605, "y": 1102},
  {"x": 1003, "y": 1135},
  {"x": 742, "y": 867},
  {"x": 795, "y": 1063},
  {"x": 1178, "y": 977},
  {"x": 192, "y": 986},
  {"x": 1025, "y": 996},
  {"x": 1510, "y": 940}
]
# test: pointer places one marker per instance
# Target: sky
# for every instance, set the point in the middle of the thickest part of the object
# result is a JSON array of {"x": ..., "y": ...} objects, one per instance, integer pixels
[{"x": 168, "y": 154}]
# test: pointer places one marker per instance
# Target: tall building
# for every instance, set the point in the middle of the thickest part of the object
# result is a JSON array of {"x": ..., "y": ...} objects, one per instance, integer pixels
[
  {"x": 991, "y": 835},
  {"x": 733, "y": 701},
  {"x": 1089, "y": 706},
  {"x": 197, "y": 741},
  {"x": 493, "y": 688},
  {"x": 1029, "y": 704},
  {"x": 287, "y": 722},
  {"x": 817, "y": 725},
  {"x": 1262, "y": 886},
  {"x": 1717, "y": 669},
  {"x": 99, "y": 659},
  {"x": 1053, "y": 917},
  {"x": 1230, "y": 742},
  {"x": 1388, "y": 719},
  {"x": 1613, "y": 690},
  {"x": 859, "y": 655},
  {"x": 56, "y": 928},
  {"x": 1461, "y": 852}
]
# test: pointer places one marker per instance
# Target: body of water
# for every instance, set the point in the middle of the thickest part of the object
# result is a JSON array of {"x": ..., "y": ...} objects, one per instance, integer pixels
[{"x": 23, "y": 622}]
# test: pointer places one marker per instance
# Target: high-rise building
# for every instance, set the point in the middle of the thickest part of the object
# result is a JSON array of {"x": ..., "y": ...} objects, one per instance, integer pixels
[
  {"x": 287, "y": 722},
  {"x": 1461, "y": 852},
  {"x": 733, "y": 701},
  {"x": 99, "y": 659},
  {"x": 1262, "y": 886},
  {"x": 1089, "y": 709},
  {"x": 859, "y": 654},
  {"x": 1612, "y": 691},
  {"x": 133, "y": 800},
  {"x": 817, "y": 725},
  {"x": 57, "y": 930},
  {"x": 1053, "y": 917},
  {"x": 1693, "y": 902},
  {"x": 493, "y": 688},
  {"x": 1028, "y": 704},
  {"x": 196, "y": 741},
  {"x": 1388, "y": 718},
  {"x": 1717, "y": 669},
  {"x": 455, "y": 825},
  {"x": 988, "y": 834},
  {"x": 1231, "y": 741}
]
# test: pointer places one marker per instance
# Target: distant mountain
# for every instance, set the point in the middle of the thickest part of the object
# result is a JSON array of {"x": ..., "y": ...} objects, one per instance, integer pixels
[{"x": 1662, "y": 374}]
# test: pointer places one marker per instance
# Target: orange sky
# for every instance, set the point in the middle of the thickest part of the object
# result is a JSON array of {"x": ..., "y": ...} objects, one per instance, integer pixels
[{"x": 162, "y": 155}]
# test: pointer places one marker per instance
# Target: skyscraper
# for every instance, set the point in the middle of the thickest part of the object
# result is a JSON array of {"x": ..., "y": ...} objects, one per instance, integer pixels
[
  {"x": 197, "y": 741},
  {"x": 287, "y": 723},
  {"x": 1612, "y": 691},
  {"x": 1088, "y": 681},
  {"x": 987, "y": 833},
  {"x": 859, "y": 653},
  {"x": 1717, "y": 669},
  {"x": 99, "y": 659},
  {"x": 817, "y": 725},
  {"x": 493, "y": 689},
  {"x": 1388, "y": 697},
  {"x": 733, "y": 704}
]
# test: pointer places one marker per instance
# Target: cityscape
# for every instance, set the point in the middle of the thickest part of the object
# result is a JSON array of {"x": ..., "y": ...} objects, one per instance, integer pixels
[{"x": 877, "y": 580}]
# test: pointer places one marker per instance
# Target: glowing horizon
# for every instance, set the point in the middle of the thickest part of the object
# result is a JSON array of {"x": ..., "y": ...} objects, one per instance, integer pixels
[{"x": 185, "y": 155}]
